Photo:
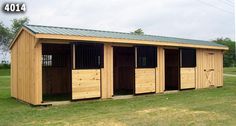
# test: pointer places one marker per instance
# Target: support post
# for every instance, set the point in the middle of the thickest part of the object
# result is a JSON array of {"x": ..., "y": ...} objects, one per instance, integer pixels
[{"x": 73, "y": 54}]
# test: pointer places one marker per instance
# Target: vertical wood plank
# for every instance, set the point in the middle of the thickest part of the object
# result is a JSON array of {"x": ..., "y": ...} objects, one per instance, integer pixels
[
  {"x": 145, "y": 80},
  {"x": 86, "y": 83},
  {"x": 206, "y": 61},
  {"x": 23, "y": 68},
  {"x": 160, "y": 85},
  {"x": 188, "y": 78},
  {"x": 158, "y": 72},
  {"x": 107, "y": 72},
  {"x": 38, "y": 72}
]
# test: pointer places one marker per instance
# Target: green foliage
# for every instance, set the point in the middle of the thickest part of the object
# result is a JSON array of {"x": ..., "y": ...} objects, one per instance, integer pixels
[
  {"x": 18, "y": 23},
  {"x": 229, "y": 56},
  {"x": 138, "y": 32},
  {"x": 5, "y": 66},
  {"x": 7, "y": 34}
]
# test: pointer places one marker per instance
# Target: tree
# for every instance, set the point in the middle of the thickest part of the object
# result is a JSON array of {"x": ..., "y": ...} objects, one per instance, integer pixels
[
  {"x": 138, "y": 32},
  {"x": 18, "y": 23},
  {"x": 7, "y": 34},
  {"x": 229, "y": 56}
]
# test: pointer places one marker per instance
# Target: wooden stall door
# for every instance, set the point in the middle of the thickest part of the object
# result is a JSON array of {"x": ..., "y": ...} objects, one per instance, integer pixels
[
  {"x": 145, "y": 80},
  {"x": 86, "y": 84},
  {"x": 209, "y": 68},
  {"x": 187, "y": 78}
]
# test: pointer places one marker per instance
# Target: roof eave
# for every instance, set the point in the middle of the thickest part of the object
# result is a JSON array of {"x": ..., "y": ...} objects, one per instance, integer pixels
[{"x": 124, "y": 41}]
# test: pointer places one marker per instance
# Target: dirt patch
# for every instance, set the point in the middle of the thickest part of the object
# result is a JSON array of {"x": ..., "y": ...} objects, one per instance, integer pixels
[
  {"x": 110, "y": 122},
  {"x": 52, "y": 122},
  {"x": 57, "y": 123},
  {"x": 146, "y": 111},
  {"x": 166, "y": 113}
]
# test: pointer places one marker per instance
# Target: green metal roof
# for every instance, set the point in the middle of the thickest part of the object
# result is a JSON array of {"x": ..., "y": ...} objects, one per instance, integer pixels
[{"x": 39, "y": 29}]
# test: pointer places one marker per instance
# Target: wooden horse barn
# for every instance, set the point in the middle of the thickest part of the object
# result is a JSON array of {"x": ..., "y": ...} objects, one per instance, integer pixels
[{"x": 65, "y": 64}]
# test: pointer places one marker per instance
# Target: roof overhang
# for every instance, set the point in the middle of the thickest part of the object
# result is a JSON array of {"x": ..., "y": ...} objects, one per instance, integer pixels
[
  {"x": 124, "y": 41},
  {"x": 112, "y": 40}
]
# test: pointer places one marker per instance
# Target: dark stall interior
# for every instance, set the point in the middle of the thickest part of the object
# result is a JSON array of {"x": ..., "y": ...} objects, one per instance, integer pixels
[
  {"x": 172, "y": 69},
  {"x": 56, "y": 70},
  {"x": 124, "y": 70}
]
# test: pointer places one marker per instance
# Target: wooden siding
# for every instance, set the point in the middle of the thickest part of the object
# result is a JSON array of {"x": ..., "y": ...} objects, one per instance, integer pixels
[
  {"x": 26, "y": 70},
  {"x": 86, "y": 84},
  {"x": 218, "y": 68},
  {"x": 145, "y": 80},
  {"x": 187, "y": 78},
  {"x": 107, "y": 72},
  {"x": 23, "y": 78},
  {"x": 38, "y": 72},
  {"x": 209, "y": 70},
  {"x": 160, "y": 70}
]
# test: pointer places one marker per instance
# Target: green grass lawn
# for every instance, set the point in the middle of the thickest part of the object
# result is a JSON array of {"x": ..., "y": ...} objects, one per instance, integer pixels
[
  {"x": 4, "y": 72},
  {"x": 216, "y": 106},
  {"x": 230, "y": 70}
]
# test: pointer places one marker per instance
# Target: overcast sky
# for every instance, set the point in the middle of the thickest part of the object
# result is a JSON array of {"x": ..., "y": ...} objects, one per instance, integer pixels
[{"x": 195, "y": 19}]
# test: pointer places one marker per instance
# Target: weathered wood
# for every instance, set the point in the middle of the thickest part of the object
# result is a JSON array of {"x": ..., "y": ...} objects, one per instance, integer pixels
[
  {"x": 86, "y": 84},
  {"x": 187, "y": 78},
  {"x": 145, "y": 80}
]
